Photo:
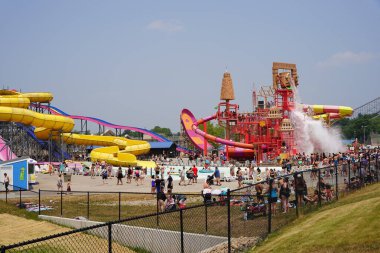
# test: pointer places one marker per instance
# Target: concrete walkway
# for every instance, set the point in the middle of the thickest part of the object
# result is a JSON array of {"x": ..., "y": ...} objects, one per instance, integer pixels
[{"x": 86, "y": 183}]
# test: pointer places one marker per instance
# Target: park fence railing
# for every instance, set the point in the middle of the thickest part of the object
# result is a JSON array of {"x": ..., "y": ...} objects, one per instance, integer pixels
[{"x": 227, "y": 224}]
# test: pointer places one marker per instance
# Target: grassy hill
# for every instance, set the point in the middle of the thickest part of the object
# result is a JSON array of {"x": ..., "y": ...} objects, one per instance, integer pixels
[
  {"x": 350, "y": 225},
  {"x": 19, "y": 225}
]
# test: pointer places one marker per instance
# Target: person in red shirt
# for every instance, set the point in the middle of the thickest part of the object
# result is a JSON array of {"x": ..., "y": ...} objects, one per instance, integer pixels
[{"x": 195, "y": 171}]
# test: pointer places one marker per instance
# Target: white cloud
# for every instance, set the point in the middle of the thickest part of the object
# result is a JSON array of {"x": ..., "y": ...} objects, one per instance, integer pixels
[
  {"x": 348, "y": 57},
  {"x": 166, "y": 26}
]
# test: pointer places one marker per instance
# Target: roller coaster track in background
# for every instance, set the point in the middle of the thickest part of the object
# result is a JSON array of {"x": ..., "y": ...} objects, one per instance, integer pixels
[{"x": 372, "y": 107}]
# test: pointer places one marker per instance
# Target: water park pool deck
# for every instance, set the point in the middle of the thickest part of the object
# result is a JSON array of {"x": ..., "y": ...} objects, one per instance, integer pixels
[{"x": 85, "y": 183}]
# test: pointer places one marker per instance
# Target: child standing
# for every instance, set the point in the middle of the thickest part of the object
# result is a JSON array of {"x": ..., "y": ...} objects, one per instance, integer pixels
[
  {"x": 60, "y": 183},
  {"x": 153, "y": 184},
  {"x": 69, "y": 185}
]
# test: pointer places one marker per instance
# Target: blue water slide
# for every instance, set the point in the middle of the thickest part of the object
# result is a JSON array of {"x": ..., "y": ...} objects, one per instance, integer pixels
[{"x": 44, "y": 144}]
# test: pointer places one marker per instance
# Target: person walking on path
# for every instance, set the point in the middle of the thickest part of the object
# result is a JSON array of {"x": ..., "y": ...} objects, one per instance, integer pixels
[
  {"x": 62, "y": 167},
  {"x": 170, "y": 184},
  {"x": 182, "y": 177},
  {"x": 92, "y": 171},
  {"x": 273, "y": 195},
  {"x": 129, "y": 174},
  {"x": 190, "y": 176},
  {"x": 153, "y": 185},
  {"x": 137, "y": 177},
  {"x": 195, "y": 174},
  {"x": 157, "y": 183},
  {"x": 50, "y": 169},
  {"x": 217, "y": 176},
  {"x": 60, "y": 183},
  {"x": 142, "y": 176},
  {"x": 68, "y": 185},
  {"x": 284, "y": 195},
  {"x": 300, "y": 189},
  {"x": 6, "y": 182},
  {"x": 104, "y": 175},
  {"x": 239, "y": 175},
  {"x": 119, "y": 176}
]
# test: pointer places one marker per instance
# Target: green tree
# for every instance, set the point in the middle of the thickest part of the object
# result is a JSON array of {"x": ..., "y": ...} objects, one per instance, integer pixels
[
  {"x": 354, "y": 128},
  {"x": 163, "y": 131},
  {"x": 132, "y": 134},
  {"x": 214, "y": 129}
]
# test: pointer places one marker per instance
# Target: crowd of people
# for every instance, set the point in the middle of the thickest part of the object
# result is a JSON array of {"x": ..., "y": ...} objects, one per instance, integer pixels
[
  {"x": 309, "y": 187},
  {"x": 290, "y": 179}
]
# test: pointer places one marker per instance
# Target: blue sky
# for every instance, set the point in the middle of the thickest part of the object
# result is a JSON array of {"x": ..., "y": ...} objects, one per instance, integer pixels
[{"x": 139, "y": 63}]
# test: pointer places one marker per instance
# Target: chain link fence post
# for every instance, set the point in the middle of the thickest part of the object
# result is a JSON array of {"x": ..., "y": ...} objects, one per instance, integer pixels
[
  {"x": 296, "y": 195},
  {"x": 229, "y": 219},
  {"x": 20, "y": 198},
  {"x": 39, "y": 201},
  {"x": 109, "y": 238},
  {"x": 270, "y": 207},
  {"x": 181, "y": 225},
  {"x": 61, "y": 203},
  {"x": 119, "y": 205},
  {"x": 206, "y": 217},
  {"x": 336, "y": 182},
  {"x": 88, "y": 205},
  {"x": 360, "y": 173},
  {"x": 377, "y": 167},
  {"x": 157, "y": 210},
  {"x": 349, "y": 175},
  {"x": 319, "y": 189}
]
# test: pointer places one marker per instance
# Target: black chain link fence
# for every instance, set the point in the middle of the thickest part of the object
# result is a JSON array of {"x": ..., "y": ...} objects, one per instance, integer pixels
[{"x": 227, "y": 222}]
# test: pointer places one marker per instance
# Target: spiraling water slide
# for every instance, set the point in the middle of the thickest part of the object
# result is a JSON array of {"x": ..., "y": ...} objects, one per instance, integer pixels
[
  {"x": 155, "y": 136},
  {"x": 197, "y": 136},
  {"x": 117, "y": 151},
  {"x": 56, "y": 111}
]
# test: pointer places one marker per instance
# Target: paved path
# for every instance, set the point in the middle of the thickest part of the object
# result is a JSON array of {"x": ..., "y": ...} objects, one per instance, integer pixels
[{"x": 85, "y": 183}]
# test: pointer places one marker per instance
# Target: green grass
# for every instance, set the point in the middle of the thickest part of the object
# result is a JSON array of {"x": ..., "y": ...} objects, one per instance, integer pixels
[
  {"x": 11, "y": 208},
  {"x": 350, "y": 225}
]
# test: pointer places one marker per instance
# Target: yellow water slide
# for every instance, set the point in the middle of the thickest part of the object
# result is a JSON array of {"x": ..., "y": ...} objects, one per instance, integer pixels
[{"x": 117, "y": 151}]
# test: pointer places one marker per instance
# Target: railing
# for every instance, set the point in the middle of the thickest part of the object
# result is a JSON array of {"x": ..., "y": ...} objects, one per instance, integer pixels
[{"x": 235, "y": 220}]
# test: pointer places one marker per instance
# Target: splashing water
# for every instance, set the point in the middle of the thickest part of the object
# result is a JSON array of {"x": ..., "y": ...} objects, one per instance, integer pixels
[{"x": 311, "y": 135}]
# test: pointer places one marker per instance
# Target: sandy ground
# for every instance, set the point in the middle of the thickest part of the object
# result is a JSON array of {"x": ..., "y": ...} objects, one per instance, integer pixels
[
  {"x": 85, "y": 183},
  {"x": 15, "y": 229}
]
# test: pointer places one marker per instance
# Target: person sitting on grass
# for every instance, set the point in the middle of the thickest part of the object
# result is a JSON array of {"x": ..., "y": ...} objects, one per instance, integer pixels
[
  {"x": 170, "y": 203},
  {"x": 329, "y": 192},
  {"x": 259, "y": 188},
  {"x": 312, "y": 199}
]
